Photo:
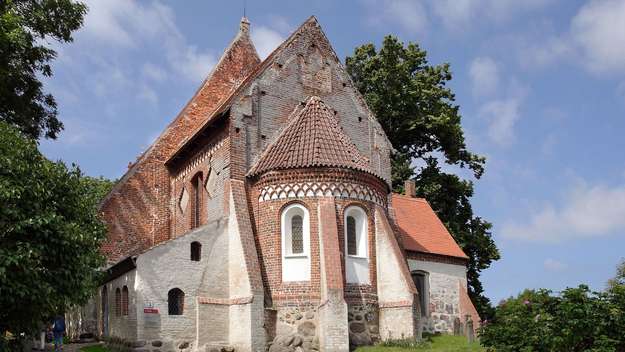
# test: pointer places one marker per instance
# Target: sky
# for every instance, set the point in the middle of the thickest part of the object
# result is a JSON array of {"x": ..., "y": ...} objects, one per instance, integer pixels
[{"x": 540, "y": 85}]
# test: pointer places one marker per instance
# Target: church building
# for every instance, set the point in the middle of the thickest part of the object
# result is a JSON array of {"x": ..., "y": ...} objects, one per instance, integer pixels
[{"x": 262, "y": 218}]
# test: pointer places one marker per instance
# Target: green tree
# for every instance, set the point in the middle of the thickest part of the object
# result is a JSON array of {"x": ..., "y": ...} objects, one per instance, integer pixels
[
  {"x": 50, "y": 234},
  {"x": 25, "y": 28},
  {"x": 415, "y": 107},
  {"x": 619, "y": 278},
  {"x": 575, "y": 320}
]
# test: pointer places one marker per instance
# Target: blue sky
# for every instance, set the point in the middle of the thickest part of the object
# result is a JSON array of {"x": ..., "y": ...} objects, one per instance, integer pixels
[{"x": 541, "y": 85}]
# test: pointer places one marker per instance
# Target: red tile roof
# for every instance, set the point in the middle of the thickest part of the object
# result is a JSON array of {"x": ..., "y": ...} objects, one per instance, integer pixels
[
  {"x": 421, "y": 228},
  {"x": 313, "y": 138}
]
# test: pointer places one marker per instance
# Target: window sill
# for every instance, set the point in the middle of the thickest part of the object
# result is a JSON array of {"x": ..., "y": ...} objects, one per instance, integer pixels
[
  {"x": 288, "y": 256},
  {"x": 357, "y": 256}
]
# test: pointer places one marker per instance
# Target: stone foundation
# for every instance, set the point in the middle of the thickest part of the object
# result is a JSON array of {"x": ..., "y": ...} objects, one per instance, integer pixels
[{"x": 363, "y": 320}]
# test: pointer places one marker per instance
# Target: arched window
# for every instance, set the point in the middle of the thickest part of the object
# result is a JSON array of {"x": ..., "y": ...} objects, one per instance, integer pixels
[
  {"x": 125, "y": 300},
  {"x": 196, "y": 251},
  {"x": 196, "y": 200},
  {"x": 356, "y": 232},
  {"x": 118, "y": 302},
  {"x": 421, "y": 279},
  {"x": 295, "y": 231},
  {"x": 356, "y": 249},
  {"x": 175, "y": 301}
]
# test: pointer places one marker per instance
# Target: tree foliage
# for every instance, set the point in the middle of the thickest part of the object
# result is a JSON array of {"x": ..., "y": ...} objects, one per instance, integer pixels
[
  {"x": 50, "y": 234},
  {"x": 25, "y": 28},
  {"x": 619, "y": 278},
  {"x": 575, "y": 320},
  {"x": 416, "y": 109}
]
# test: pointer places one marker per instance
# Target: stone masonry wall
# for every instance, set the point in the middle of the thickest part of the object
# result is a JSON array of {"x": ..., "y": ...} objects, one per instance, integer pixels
[{"x": 444, "y": 298}]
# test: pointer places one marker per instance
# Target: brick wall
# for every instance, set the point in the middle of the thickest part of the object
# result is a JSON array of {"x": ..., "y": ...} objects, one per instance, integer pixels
[{"x": 137, "y": 211}]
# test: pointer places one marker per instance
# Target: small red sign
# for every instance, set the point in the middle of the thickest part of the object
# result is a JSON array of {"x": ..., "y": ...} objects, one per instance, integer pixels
[{"x": 150, "y": 310}]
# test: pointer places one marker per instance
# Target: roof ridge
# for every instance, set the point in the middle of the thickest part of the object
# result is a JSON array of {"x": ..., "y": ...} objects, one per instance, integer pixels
[
  {"x": 417, "y": 199},
  {"x": 241, "y": 33}
]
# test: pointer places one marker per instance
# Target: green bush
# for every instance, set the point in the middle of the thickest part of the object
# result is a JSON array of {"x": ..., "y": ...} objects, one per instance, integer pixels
[{"x": 575, "y": 320}]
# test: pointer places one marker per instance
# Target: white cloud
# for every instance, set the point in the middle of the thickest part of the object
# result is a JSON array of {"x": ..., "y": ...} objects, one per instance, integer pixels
[
  {"x": 411, "y": 15},
  {"x": 586, "y": 211},
  {"x": 457, "y": 15},
  {"x": 265, "y": 40},
  {"x": 115, "y": 26},
  {"x": 620, "y": 91},
  {"x": 594, "y": 40},
  {"x": 553, "y": 265},
  {"x": 153, "y": 72},
  {"x": 484, "y": 74},
  {"x": 502, "y": 116},
  {"x": 599, "y": 30}
]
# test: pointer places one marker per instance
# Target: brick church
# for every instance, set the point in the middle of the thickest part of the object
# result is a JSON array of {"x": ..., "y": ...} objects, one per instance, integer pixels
[{"x": 262, "y": 218}]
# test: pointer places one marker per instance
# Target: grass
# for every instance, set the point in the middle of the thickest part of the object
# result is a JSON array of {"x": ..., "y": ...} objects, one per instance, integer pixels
[
  {"x": 436, "y": 343},
  {"x": 94, "y": 348}
]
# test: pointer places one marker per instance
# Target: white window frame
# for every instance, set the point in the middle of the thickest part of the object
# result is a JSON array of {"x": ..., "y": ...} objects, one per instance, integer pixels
[
  {"x": 295, "y": 267},
  {"x": 362, "y": 231}
]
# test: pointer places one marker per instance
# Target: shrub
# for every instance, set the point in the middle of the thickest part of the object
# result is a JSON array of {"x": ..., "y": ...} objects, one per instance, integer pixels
[{"x": 575, "y": 320}]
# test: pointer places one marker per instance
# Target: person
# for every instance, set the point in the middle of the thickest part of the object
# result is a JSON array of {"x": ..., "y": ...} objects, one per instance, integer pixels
[{"x": 58, "y": 329}]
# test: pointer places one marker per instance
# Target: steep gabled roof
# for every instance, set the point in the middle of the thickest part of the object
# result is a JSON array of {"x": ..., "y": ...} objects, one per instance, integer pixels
[
  {"x": 313, "y": 138},
  {"x": 311, "y": 22},
  {"x": 421, "y": 228},
  {"x": 238, "y": 60}
]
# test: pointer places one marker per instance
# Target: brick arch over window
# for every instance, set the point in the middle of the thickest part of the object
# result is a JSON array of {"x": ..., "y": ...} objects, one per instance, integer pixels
[
  {"x": 196, "y": 251},
  {"x": 125, "y": 300},
  {"x": 118, "y": 302},
  {"x": 175, "y": 301},
  {"x": 197, "y": 186},
  {"x": 295, "y": 239}
]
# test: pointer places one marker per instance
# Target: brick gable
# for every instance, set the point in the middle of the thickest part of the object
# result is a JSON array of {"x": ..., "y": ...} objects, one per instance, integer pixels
[{"x": 137, "y": 210}]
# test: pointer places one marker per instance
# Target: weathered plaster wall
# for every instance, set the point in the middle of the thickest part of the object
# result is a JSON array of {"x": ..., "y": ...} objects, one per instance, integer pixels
[
  {"x": 397, "y": 295},
  {"x": 444, "y": 299},
  {"x": 123, "y": 326},
  {"x": 168, "y": 266}
]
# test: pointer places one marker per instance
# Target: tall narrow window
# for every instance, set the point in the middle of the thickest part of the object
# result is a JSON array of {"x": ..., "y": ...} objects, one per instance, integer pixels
[
  {"x": 295, "y": 243},
  {"x": 118, "y": 302},
  {"x": 350, "y": 229},
  {"x": 125, "y": 300},
  {"x": 175, "y": 301},
  {"x": 356, "y": 231},
  {"x": 356, "y": 249},
  {"x": 196, "y": 211},
  {"x": 196, "y": 251},
  {"x": 420, "y": 279}
]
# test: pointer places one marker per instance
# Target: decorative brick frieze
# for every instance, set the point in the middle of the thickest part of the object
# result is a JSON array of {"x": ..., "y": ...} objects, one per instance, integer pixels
[
  {"x": 430, "y": 257},
  {"x": 202, "y": 157},
  {"x": 313, "y": 189}
]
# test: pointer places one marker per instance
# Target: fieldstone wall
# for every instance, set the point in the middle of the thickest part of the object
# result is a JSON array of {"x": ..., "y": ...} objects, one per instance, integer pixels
[
  {"x": 363, "y": 320},
  {"x": 444, "y": 294}
]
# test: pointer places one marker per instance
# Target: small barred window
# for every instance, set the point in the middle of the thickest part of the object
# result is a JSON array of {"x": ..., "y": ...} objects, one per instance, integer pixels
[{"x": 297, "y": 235}]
